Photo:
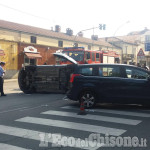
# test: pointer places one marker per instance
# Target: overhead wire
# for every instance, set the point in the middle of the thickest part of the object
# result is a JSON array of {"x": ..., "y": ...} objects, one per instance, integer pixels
[{"x": 6, "y": 6}]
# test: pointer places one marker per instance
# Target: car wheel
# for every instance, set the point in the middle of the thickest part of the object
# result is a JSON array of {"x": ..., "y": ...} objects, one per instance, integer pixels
[{"x": 88, "y": 99}]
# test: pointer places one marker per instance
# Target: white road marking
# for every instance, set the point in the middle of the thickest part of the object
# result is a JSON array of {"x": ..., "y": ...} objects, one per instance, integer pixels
[
  {"x": 126, "y": 113},
  {"x": 23, "y": 108},
  {"x": 30, "y": 108},
  {"x": 13, "y": 110},
  {"x": 34, "y": 135},
  {"x": 94, "y": 117},
  {"x": 10, "y": 147},
  {"x": 73, "y": 125}
]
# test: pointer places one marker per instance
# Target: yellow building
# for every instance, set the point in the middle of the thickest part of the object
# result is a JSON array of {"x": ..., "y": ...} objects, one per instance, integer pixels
[{"x": 11, "y": 57}]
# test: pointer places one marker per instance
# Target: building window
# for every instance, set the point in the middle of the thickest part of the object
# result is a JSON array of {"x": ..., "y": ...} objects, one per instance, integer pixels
[
  {"x": 147, "y": 38},
  {"x": 60, "y": 43},
  {"x": 89, "y": 47},
  {"x": 33, "y": 39}
]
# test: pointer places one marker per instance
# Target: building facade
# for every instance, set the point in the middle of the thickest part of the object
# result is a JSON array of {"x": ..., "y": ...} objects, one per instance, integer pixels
[{"x": 27, "y": 45}]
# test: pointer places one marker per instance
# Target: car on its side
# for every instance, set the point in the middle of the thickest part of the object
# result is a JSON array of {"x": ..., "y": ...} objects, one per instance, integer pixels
[{"x": 109, "y": 83}]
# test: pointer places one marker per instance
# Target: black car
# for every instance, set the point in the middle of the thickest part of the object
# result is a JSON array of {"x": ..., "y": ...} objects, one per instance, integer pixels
[{"x": 109, "y": 83}]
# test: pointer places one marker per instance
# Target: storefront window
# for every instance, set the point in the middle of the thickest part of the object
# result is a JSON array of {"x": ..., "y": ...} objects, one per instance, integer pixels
[{"x": 28, "y": 61}]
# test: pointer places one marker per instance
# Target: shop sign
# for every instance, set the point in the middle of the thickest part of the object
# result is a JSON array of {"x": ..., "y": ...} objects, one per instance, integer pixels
[{"x": 30, "y": 49}]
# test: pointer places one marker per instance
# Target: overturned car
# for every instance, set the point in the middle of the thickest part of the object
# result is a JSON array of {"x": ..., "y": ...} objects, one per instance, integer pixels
[{"x": 46, "y": 78}]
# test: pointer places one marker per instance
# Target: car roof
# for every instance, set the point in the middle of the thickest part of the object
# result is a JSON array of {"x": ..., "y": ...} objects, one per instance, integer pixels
[{"x": 101, "y": 64}]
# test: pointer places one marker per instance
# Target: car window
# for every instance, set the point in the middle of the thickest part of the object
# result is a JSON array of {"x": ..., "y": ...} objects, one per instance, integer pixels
[
  {"x": 107, "y": 71},
  {"x": 97, "y": 56},
  {"x": 87, "y": 71},
  {"x": 136, "y": 73},
  {"x": 87, "y": 55}
]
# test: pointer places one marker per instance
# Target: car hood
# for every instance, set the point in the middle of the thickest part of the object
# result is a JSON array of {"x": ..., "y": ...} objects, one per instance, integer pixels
[{"x": 61, "y": 55}]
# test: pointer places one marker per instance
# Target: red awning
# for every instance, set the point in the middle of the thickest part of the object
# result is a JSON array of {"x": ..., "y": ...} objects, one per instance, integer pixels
[
  {"x": 2, "y": 52},
  {"x": 33, "y": 55}
]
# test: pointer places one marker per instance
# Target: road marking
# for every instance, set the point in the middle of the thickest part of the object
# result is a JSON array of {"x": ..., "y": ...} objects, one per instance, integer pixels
[
  {"x": 30, "y": 108},
  {"x": 94, "y": 117},
  {"x": 35, "y": 135},
  {"x": 23, "y": 108},
  {"x": 10, "y": 147},
  {"x": 126, "y": 113},
  {"x": 13, "y": 110},
  {"x": 73, "y": 125}
]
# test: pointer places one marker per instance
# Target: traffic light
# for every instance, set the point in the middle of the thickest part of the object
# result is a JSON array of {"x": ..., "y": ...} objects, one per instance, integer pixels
[{"x": 102, "y": 26}]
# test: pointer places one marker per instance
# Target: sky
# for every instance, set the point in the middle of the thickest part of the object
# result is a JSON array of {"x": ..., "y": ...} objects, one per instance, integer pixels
[{"x": 120, "y": 16}]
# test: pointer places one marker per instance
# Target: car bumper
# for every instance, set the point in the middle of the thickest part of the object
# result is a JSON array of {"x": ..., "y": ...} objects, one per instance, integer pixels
[{"x": 71, "y": 96}]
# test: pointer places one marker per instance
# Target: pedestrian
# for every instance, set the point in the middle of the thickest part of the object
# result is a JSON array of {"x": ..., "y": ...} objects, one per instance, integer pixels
[
  {"x": 138, "y": 65},
  {"x": 2, "y": 72},
  {"x": 144, "y": 66}
]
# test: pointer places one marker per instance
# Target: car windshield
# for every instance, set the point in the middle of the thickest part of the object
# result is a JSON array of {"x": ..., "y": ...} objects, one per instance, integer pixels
[{"x": 76, "y": 55}]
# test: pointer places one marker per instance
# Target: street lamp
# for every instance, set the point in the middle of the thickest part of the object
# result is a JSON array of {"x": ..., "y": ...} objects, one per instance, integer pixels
[
  {"x": 116, "y": 32},
  {"x": 121, "y": 26}
]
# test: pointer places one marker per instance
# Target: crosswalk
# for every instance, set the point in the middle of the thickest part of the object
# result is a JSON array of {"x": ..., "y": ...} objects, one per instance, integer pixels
[
  {"x": 65, "y": 119},
  {"x": 10, "y": 147}
]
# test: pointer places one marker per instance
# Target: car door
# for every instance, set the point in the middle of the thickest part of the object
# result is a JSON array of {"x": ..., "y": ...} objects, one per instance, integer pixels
[
  {"x": 110, "y": 83},
  {"x": 136, "y": 84}
]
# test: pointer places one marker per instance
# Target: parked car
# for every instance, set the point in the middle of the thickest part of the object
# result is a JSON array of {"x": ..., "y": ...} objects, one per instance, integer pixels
[{"x": 109, "y": 83}]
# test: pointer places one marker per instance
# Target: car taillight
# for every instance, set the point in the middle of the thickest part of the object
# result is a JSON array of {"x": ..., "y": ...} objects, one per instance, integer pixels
[{"x": 73, "y": 76}]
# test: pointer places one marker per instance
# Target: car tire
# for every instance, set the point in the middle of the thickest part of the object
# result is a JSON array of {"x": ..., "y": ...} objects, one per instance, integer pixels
[{"x": 88, "y": 98}]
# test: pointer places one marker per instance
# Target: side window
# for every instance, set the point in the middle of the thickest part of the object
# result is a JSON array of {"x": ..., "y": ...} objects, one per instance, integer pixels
[
  {"x": 135, "y": 73},
  {"x": 87, "y": 55},
  {"x": 97, "y": 56},
  {"x": 88, "y": 71},
  {"x": 93, "y": 56},
  {"x": 107, "y": 71}
]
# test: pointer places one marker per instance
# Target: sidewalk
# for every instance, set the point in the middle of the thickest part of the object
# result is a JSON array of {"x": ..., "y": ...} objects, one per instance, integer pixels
[
  {"x": 10, "y": 80},
  {"x": 11, "y": 86}
]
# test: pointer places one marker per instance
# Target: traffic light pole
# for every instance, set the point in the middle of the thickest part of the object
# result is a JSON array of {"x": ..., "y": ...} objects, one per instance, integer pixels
[{"x": 101, "y": 27}]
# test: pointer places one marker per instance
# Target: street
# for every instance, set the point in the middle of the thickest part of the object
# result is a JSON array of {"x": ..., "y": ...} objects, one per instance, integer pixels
[{"x": 37, "y": 121}]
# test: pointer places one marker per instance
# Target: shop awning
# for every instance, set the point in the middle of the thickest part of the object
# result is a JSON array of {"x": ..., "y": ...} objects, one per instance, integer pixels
[
  {"x": 2, "y": 52},
  {"x": 33, "y": 55}
]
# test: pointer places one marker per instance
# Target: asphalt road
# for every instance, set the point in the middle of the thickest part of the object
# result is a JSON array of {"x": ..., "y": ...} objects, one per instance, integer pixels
[{"x": 28, "y": 119}]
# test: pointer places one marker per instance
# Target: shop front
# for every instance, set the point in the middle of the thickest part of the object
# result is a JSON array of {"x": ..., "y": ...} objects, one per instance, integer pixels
[
  {"x": 35, "y": 55},
  {"x": 31, "y": 56}
]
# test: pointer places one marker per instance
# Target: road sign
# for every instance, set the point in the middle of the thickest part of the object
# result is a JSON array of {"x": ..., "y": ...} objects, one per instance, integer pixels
[
  {"x": 147, "y": 46},
  {"x": 141, "y": 52}
]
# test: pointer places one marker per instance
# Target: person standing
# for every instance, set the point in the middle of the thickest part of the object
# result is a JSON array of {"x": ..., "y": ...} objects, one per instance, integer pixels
[
  {"x": 2, "y": 72},
  {"x": 145, "y": 67}
]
